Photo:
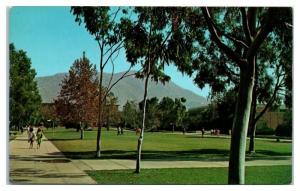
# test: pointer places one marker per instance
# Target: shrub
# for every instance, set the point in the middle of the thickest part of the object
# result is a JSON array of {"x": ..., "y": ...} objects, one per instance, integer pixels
[
  {"x": 263, "y": 129},
  {"x": 284, "y": 130}
]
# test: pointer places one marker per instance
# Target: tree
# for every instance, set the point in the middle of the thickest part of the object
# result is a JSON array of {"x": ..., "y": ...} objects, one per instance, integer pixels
[
  {"x": 225, "y": 105},
  {"x": 104, "y": 24},
  {"x": 77, "y": 100},
  {"x": 145, "y": 42},
  {"x": 152, "y": 112},
  {"x": 225, "y": 39},
  {"x": 165, "y": 106},
  {"x": 131, "y": 115},
  {"x": 24, "y": 98},
  {"x": 179, "y": 111},
  {"x": 112, "y": 114}
]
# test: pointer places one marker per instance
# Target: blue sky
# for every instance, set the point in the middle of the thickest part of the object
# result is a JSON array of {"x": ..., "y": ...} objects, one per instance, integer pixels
[{"x": 53, "y": 41}]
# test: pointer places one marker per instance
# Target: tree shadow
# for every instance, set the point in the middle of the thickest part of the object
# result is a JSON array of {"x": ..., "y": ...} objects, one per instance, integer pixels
[
  {"x": 185, "y": 155},
  {"x": 53, "y": 158},
  {"x": 200, "y": 154},
  {"x": 272, "y": 153}
]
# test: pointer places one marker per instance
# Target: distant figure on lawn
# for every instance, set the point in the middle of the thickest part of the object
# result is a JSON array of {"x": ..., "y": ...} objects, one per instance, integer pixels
[
  {"x": 119, "y": 130},
  {"x": 39, "y": 136},
  {"x": 138, "y": 131},
  {"x": 202, "y": 131},
  {"x": 31, "y": 137},
  {"x": 183, "y": 129}
]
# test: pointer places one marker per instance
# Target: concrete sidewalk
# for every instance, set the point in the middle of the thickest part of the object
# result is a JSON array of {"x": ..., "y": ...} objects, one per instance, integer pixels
[
  {"x": 113, "y": 164},
  {"x": 46, "y": 165}
]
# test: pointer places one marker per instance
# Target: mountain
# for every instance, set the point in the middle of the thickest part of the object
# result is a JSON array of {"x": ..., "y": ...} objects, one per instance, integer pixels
[{"x": 128, "y": 88}]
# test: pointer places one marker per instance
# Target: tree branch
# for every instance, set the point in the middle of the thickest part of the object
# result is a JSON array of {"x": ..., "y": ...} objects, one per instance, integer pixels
[
  {"x": 124, "y": 75},
  {"x": 115, "y": 14},
  {"x": 262, "y": 33},
  {"x": 252, "y": 20},
  {"x": 270, "y": 102},
  {"x": 112, "y": 52},
  {"x": 215, "y": 37},
  {"x": 235, "y": 40},
  {"x": 113, "y": 68},
  {"x": 245, "y": 25}
]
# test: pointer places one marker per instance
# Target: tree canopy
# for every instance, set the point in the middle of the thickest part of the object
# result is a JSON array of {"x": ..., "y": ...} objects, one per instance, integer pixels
[
  {"x": 24, "y": 97},
  {"x": 77, "y": 100}
]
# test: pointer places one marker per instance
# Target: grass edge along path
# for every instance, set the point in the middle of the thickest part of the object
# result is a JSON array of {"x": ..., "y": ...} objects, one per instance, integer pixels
[{"x": 259, "y": 175}]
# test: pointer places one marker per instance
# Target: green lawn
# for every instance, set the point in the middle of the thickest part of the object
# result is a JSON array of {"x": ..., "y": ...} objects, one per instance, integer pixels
[
  {"x": 156, "y": 146},
  {"x": 254, "y": 175}
]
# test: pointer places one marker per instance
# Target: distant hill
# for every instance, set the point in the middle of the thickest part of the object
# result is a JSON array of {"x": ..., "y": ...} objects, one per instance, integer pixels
[{"x": 128, "y": 88}]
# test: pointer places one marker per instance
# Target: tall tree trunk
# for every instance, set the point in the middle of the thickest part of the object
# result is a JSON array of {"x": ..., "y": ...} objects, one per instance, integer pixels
[
  {"x": 240, "y": 125},
  {"x": 140, "y": 140},
  {"x": 98, "y": 149},
  {"x": 252, "y": 123},
  {"x": 81, "y": 132}
]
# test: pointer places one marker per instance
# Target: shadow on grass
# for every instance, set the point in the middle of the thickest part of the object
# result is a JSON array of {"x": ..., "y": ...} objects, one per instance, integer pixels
[
  {"x": 202, "y": 154},
  {"x": 191, "y": 155},
  {"x": 272, "y": 153},
  {"x": 65, "y": 139}
]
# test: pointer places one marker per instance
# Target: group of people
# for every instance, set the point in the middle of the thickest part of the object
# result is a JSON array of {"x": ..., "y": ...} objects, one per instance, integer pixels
[
  {"x": 34, "y": 136},
  {"x": 215, "y": 132}
]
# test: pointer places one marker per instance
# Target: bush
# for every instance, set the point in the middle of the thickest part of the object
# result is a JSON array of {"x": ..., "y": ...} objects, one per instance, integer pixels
[
  {"x": 283, "y": 130},
  {"x": 263, "y": 129}
]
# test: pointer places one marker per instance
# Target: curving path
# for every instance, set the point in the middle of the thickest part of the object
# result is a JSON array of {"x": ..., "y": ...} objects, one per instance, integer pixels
[{"x": 46, "y": 165}]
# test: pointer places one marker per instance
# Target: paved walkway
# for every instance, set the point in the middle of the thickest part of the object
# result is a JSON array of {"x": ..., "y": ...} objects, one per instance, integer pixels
[
  {"x": 46, "y": 165},
  {"x": 113, "y": 164},
  {"x": 49, "y": 166}
]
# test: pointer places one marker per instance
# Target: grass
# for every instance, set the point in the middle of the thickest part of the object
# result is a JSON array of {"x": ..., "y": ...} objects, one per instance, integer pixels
[
  {"x": 254, "y": 175},
  {"x": 156, "y": 146}
]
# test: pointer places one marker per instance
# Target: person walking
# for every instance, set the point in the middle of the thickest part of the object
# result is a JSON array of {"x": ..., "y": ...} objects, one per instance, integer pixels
[
  {"x": 39, "y": 136},
  {"x": 31, "y": 137}
]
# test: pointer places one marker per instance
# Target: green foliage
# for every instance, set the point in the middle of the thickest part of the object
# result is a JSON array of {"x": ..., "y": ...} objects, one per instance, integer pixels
[
  {"x": 24, "y": 98},
  {"x": 165, "y": 114},
  {"x": 131, "y": 116},
  {"x": 146, "y": 41},
  {"x": 263, "y": 129},
  {"x": 152, "y": 113},
  {"x": 286, "y": 128},
  {"x": 217, "y": 115}
]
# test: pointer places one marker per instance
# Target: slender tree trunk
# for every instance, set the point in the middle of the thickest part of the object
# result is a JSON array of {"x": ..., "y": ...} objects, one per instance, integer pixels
[
  {"x": 140, "y": 140},
  {"x": 98, "y": 149},
  {"x": 81, "y": 132},
  {"x": 240, "y": 125},
  {"x": 252, "y": 123}
]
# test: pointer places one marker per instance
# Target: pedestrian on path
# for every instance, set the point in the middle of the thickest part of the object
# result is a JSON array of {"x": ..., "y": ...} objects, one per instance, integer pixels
[
  {"x": 39, "y": 136},
  {"x": 31, "y": 137}
]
